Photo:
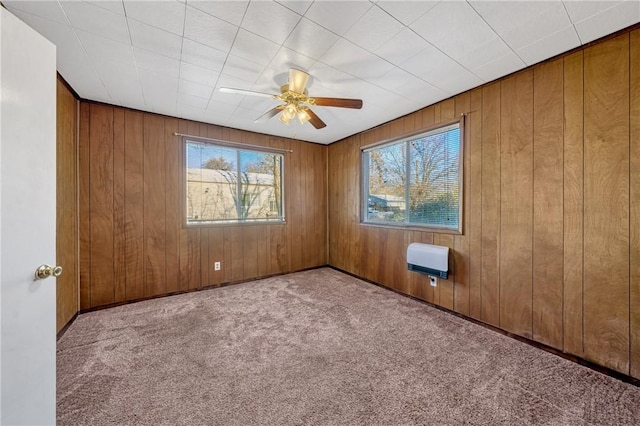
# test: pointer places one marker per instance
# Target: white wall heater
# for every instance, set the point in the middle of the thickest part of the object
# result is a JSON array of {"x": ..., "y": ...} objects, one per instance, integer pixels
[{"x": 428, "y": 259}]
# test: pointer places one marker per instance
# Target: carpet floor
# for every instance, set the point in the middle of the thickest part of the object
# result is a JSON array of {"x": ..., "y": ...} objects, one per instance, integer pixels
[{"x": 317, "y": 347}]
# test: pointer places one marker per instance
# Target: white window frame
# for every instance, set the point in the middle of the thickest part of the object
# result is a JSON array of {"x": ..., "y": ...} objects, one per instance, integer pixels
[
  {"x": 279, "y": 220},
  {"x": 406, "y": 139}
]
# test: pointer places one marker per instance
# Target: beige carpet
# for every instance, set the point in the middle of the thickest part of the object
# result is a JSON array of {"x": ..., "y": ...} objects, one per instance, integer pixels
[{"x": 317, "y": 347}]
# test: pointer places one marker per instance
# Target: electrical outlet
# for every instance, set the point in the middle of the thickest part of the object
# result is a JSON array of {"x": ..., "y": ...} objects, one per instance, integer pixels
[
  {"x": 216, "y": 266},
  {"x": 433, "y": 281}
]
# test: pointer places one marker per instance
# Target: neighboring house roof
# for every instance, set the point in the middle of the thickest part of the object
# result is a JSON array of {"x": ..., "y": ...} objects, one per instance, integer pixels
[{"x": 224, "y": 176}]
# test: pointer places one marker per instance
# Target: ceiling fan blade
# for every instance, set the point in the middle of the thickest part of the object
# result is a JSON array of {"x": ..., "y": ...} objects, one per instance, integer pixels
[
  {"x": 269, "y": 114},
  {"x": 339, "y": 102},
  {"x": 246, "y": 92},
  {"x": 315, "y": 120},
  {"x": 297, "y": 80}
]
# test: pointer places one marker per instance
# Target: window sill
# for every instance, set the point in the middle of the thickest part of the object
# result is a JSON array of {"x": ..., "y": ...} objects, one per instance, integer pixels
[
  {"x": 230, "y": 224},
  {"x": 412, "y": 228}
]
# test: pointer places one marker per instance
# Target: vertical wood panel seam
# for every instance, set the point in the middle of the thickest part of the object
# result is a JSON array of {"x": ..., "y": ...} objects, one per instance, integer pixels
[
  {"x": 630, "y": 227},
  {"x": 533, "y": 174},
  {"x": 467, "y": 123},
  {"x": 564, "y": 223},
  {"x": 481, "y": 103},
  {"x": 76, "y": 149},
  {"x": 89, "y": 202},
  {"x": 164, "y": 149},
  {"x": 563, "y": 198},
  {"x": 499, "y": 231},
  {"x": 164, "y": 249},
  {"x": 326, "y": 213},
  {"x": 144, "y": 228},
  {"x": 582, "y": 201},
  {"x": 535, "y": 72},
  {"x": 144, "y": 239},
  {"x": 481, "y": 204},
  {"x": 113, "y": 203},
  {"x": 124, "y": 199}
]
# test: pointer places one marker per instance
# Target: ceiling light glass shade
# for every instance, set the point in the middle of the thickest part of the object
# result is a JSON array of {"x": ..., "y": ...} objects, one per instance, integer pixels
[
  {"x": 303, "y": 116},
  {"x": 290, "y": 112},
  {"x": 284, "y": 119}
]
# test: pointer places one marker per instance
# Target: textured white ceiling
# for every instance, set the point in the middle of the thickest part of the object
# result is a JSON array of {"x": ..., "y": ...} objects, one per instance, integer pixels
[{"x": 171, "y": 57}]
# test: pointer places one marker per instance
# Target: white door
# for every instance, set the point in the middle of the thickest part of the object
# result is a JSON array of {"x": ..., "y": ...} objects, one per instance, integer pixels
[{"x": 28, "y": 218}]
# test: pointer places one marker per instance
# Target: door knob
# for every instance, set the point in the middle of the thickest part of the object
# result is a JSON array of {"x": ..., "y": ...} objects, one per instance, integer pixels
[{"x": 46, "y": 271}]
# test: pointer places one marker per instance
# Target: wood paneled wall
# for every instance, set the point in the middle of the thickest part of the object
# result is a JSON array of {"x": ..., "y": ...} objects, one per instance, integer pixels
[
  {"x": 67, "y": 205},
  {"x": 133, "y": 243},
  {"x": 551, "y": 242}
]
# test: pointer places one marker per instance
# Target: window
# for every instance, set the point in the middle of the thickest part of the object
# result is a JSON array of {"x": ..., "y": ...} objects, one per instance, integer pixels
[
  {"x": 225, "y": 184},
  {"x": 415, "y": 181}
]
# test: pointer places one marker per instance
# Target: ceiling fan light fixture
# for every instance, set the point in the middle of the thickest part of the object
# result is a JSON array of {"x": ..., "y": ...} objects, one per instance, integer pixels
[
  {"x": 303, "y": 115},
  {"x": 284, "y": 119},
  {"x": 290, "y": 111}
]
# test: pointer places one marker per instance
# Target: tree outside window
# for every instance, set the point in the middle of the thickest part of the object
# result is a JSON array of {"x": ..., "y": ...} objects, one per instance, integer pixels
[
  {"x": 226, "y": 184},
  {"x": 415, "y": 181}
]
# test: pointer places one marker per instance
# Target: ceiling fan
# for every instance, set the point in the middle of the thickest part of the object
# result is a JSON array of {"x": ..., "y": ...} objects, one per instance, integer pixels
[{"x": 295, "y": 100}]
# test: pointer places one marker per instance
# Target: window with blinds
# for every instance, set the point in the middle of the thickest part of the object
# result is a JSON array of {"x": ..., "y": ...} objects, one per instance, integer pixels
[
  {"x": 225, "y": 184},
  {"x": 415, "y": 181}
]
